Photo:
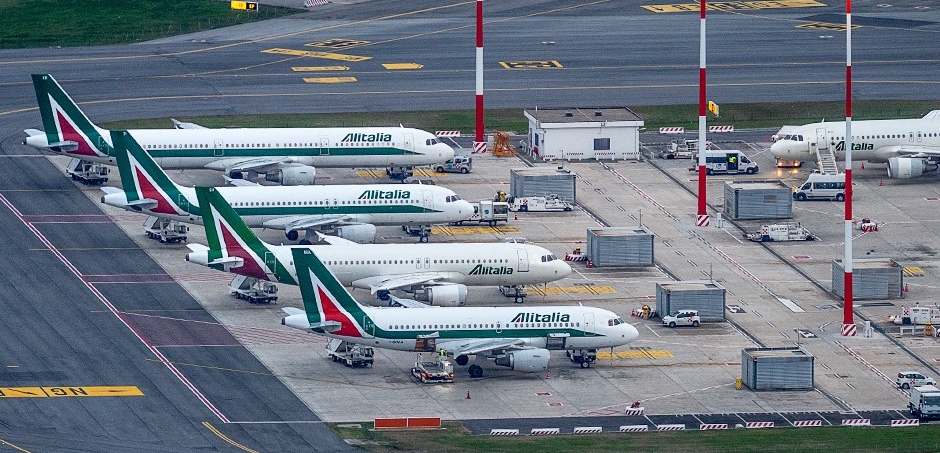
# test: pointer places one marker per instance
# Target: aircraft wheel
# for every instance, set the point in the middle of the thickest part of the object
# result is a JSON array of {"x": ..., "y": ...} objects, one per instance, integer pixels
[
  {"x": 476, "y": 371},
  {"x": 424, "y": 239}
]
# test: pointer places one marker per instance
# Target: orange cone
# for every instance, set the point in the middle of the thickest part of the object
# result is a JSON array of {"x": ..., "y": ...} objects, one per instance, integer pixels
[
  {"x": 515, "y": 216},
  {"x": 863, "y": 165},
  {"x": 548, "y": 375},
  {"x": 881, "y": 183},
  {"x": 905, "y": 288},
  {"x": 468, "y": 394}
]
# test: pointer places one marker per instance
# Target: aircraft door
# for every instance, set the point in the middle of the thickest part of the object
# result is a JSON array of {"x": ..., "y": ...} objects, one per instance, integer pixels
[
  {"x": 409, "y": 143},
  {"x": 324, "y": 146},
  {"x": 183, "y": 202},
  {"x": 589, "y": 322},
  {"x": 425, "y": 344},
  {"x": 822, "y": 138},
  {"x": 523, "y": 261},
  {"x": 919, "y": 136},
  {"x": 270, "y": 261},
  {"x": 427, "y": 263},
  {"x": 418, "y": 263},
  {"x": 218, "y": 148},
  {"x": 428, "y": 199},
  {"x": 368, "y": 326}
]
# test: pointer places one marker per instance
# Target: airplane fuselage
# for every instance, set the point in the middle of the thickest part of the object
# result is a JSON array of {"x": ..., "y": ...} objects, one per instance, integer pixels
[{"x": 872, "y": 140}]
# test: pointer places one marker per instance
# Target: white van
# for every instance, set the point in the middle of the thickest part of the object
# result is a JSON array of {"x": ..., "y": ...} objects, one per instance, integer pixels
[
  {"x": 727, "y": 161},
  {"x": 821, "y": 187}
]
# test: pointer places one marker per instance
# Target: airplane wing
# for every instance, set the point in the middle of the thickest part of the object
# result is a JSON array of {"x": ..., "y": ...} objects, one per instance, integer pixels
[
  {"x": 241, "y": 182},
  {"x": 182, "y": 125},
  {"x": 380, "y": 282},
  {"x": 408, "y": 303},
  {"x": 305, "y": 222},
  {"x": 252, "y": 164},
  {"x": 918, "y": 151},
  {"x": 335, "y": 240},
  {"x": 471, "y": 347}
]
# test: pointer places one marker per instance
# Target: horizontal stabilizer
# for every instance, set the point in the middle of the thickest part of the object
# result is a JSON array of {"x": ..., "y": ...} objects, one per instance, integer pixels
[
  {"x": 32, "y": 132},
  {"x": 292, "y": 311},
  {"x": 181, "y": 125},
  {"x": 408, "y": 303},
  {"x": 197, "y": 247},
  {"x": 335, "y": 240},
  {"x": 230, "y": 261},
  {"x": 110, "y": 190},
  {"x": 240, "y": 182},
  {"x": 145, "y": 203}
]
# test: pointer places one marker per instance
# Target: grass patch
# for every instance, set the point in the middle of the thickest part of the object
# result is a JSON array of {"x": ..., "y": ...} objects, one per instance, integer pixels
[
  {"x": 454, "y": 439},
  {"x": 69, "y": 23},
  {"x": 741, "y": 116}
]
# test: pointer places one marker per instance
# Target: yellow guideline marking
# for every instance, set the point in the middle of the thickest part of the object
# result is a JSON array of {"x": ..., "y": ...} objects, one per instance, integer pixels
[
  {"x": 337, "y": 43},
  {"x": 531, "y": 64},
  {"x": 319, "y": 68},
  {"x": 912, "y": 271},
  {"x": 227, "y": 439},
  {"x": 826, "y": 26},
  {"x": 309, "y": 53},
  {"x": 43, "y": 392},
  {"x": 394, "y": 66},
  {"x": 485, "y": 229},
  {"x": 636, "y": 354},
  {"x": 731, "y": 6},
  {"x": 580, "y": 289},
  {"x": 329, "y": 79}
]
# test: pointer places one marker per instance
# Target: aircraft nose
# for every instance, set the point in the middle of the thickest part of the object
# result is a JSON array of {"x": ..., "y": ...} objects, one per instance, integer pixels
[
  {"x": 562, "y": 269},
  {"x": 631, "y": 332}
]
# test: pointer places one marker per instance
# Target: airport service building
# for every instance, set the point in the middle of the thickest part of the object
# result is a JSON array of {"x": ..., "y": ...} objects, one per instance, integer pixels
[{"x": 579, "y": 134}]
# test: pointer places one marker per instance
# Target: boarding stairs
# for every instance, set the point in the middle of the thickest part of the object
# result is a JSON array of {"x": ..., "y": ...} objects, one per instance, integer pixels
[{"x": 826, "y": 161}]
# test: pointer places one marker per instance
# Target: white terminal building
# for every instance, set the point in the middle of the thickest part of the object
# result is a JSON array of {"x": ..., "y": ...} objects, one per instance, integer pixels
[{"x": 578, "y": 134}]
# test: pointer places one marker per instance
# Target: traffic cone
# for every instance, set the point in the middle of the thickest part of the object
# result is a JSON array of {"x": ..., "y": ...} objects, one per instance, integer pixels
[
  {"x": 548, "y": 374},
  {"x": 881, "y": 182},
  {"x": 515, "y": 216},
  {"x": 905, "y": 288},
  {"x": 468, "y": 394},
  {"x": 863, "y": 165}
]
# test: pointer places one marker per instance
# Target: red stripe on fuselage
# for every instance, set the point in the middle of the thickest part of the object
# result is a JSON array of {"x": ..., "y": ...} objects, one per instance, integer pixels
[
  {"x": 148, "y": 190},
  {"x": 69, "y": 133},
  {"x": 332, "y": 313},
  {"x": 233, "y": 248}
]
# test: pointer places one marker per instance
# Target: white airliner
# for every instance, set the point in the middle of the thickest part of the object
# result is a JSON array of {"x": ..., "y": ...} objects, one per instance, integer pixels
[
  {"x": 520, "y": 339},
  {"x": 284, "y": 155},
  {"x": 911, "y": 147},
  {"x": 352, "y": 210},
  {"x": 443, "y": 270}
]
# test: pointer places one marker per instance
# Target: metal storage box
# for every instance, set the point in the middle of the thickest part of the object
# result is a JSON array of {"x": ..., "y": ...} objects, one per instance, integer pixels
[
  {"x": 872, "y": 278},
  {"x": 777, "y": 368},
  {"x": 752, "y": 200},
  {"x": 706, "y": 297},
  {"x": 541, "y": 181},
  {"x": 620, "y": 246}
]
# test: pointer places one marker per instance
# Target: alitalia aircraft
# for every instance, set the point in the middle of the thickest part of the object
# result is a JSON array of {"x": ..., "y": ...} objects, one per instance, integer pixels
[
  {"x": 443, "y": 271},
  {"x": 520, "y": 339},
  {"x": 284, "y": 155},
  {"x": 911, "y": 147},
  {"x": 352, "y": 210}
]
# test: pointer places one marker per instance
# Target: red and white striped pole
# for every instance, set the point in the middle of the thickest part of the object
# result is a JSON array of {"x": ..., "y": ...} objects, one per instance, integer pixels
[
  {"x": 701, "y": 219},
  {"x": 848, "y": 321},
  {"x": 479, "y": 73}
]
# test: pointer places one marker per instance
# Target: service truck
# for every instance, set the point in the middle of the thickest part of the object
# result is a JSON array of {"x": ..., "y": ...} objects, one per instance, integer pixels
[
  {"x": 439, "y": 371},
  {"x": 550, "y": 202},
  {"x": 781, "y": 232},
  {"x": 727, "y": 161},
  {"x": 925, "y": 402},
  {"x": 686, "y": 149},
  {"x": 351, "y": 355},
  {"x": 459, "y": 164},
  {"x": 253, "y": 290},
  {"x": 489, "y": 211}
]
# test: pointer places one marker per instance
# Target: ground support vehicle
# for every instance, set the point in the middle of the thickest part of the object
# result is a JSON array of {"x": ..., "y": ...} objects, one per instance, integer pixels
[
  {"x": 819, "y": 186},
  {"x": 727, "y": 161},
  {"x": 459, "y": 164},
  {"x": 781, "y": 232},
  {"x": 517, "y": 292},
  {"x": 686, "y": 149},
  {"x": 433, "y": 371},
  {"x": 87, "y": 172},
  {"x": 165, "y": 230},
  {"x": 351, "y": 355},
  {"x": 682, "y": 318},
  {"x": 253, "y": 290},
  {"x": 909, "y": 379},
  {"x": 583, "y": 357},
  {"x": 925, "y": 402},
  {"x": 489, "y": 212},
  {"x": 550, "y": 202}
]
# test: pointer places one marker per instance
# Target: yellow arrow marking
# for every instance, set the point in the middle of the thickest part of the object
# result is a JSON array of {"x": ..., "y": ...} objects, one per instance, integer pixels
[
  {"x": 319, "y": 68},
  {"x": 309, "y": 53},
  {"x": 397, "y": 66},
  {"x": 22, "y": 392},
  {"x": 43, "y": 392},
  {"x": 337, "y": 43},
  {"x": 329, "y": 79}
]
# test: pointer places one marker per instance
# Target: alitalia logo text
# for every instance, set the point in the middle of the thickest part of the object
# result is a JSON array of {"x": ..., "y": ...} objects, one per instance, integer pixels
[
  {"x": 385, "y": 195},
  {"x": 360, "y": 137},
  {"x": 856, "y": 146},
  {"x": 480, "y": 269},
  {"x": 535, "y": 317}
]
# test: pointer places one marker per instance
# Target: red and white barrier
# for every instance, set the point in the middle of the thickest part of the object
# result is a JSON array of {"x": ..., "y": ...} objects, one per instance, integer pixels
[
  {"x": 720, "y": 128},
  {"x": 672, "y": 130},
  {"x": 673, "y": 427},
  {"x": 479, "y": 147},
  {"x": 635, "y": 410},
  {"x": 573, "y": 257},
  {"x": 856, "y": 422},
  {"x": 504, "y": 432},
  {"x": 588, "y": 429},
  {"x": 544, "y": 431},
  {"x": 447, "y": 133},
  {"x": 906, "y": 422},
  {"x": 848, "y": 330},
  {"x": 701, "y": 220},
  {"x": 711, "y": 426},
  {"x": 634, "y": 428},
  {"x": 759, "y": 425},
  {"x": 804, "y": 423}
]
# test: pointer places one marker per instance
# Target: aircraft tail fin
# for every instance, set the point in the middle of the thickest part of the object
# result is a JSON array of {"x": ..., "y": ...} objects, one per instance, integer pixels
[
  {"x": 66, "y": 126},
  {"x": 145, "y": 184},
  {"x": 229, "y": 238},
  {"x": 329, "y": 306}
]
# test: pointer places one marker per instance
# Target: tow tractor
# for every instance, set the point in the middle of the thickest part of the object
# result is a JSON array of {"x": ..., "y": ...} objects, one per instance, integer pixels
[
  {"x": 781, "y": 232},
  {"x": 436, "y": 371},
  {"x": 87, "y": 172},
  {"x": 165, "y": 230},
  {"x": 517, "y": 292},
  {"x": 253, "y": 290},
  {"x": 583, "y": 357},
  {"x": 550, "y": 202},
  {"x": 352, "y": 355}
]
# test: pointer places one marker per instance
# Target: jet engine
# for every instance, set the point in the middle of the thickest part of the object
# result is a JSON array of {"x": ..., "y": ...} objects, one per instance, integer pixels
[
  {"x": 298, "y": 175},
  {"x": 525, "y": 360},
  {"x": 363, "y": 233},
  {"x": 909, "y": 167},
  {"x": 443, "y": 295}
]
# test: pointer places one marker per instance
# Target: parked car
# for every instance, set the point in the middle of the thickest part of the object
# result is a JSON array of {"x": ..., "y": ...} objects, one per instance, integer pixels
[
  {"x": 908, "y": 379},
  {"x": 682, "y": 318}
]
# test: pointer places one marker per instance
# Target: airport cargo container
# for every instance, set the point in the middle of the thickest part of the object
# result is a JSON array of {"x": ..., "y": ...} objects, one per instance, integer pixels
[
  {"x": 753, "y": 200},
  {"x": 789, "y": 368},
  {"x": 706, "y": 297},
  {"x": 541, "y": 182},
  {"x": 872, "y": 278},
  {"x": 611, "y": 247}
]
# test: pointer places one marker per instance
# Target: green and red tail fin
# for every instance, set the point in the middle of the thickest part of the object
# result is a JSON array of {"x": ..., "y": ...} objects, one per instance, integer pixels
[
  {"x": 142, "y": 179},
  {"x": 229, "y": 237},
  {"x": 326, "y": 301},
  {"x": 66, "y": 126}
]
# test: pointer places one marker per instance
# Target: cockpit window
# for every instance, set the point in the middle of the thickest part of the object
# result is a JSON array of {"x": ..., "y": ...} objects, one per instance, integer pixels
[
  {"x": 431, "y": 141},
  {"x": 549, "y": 258},
  {"x": 452, "y": 198},
  {"x": 796, "y": 138},
  {"x": 615, "y": 322}
]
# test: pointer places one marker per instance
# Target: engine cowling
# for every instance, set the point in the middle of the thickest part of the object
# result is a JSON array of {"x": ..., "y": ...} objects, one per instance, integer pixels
[
  {"x": 443, "y": 295},
  {"x": 362, "y": 233},
  {"x": 526, "y": 360},
  {"x": 908, "y": 167},
  {"x": 298, "y": 175}
]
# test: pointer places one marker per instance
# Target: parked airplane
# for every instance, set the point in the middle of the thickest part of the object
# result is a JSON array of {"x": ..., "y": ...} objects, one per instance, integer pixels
[
  {"x": 520, "y": 339},
  {"x": 284, "y": 155},
  {"x": 352, "y": 210},
  {"x": 441, "y": 272},
  {"x": 911, "y": 147}
]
